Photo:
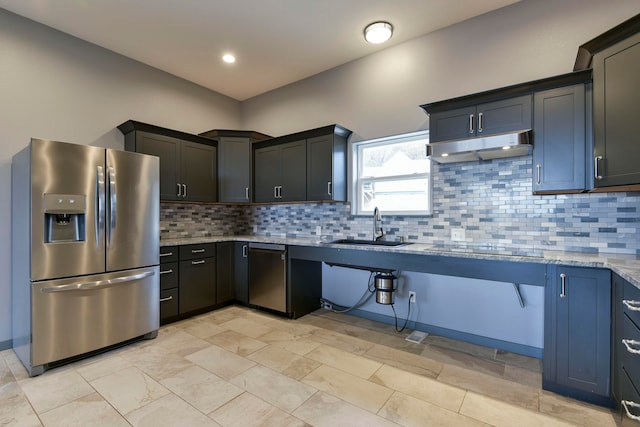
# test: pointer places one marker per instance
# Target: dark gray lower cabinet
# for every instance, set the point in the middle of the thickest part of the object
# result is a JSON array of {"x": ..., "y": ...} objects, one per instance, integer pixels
[
  {"x": 577, "y": 338},
  {"x": 169, "y": 283},
  {"x": 241, "y": 271},
  {"x": 225, "y": 278},
  {"x": 197, "y": 277}
]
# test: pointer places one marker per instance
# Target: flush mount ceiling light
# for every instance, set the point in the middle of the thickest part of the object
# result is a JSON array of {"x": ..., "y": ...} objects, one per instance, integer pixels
[
  {"x": 378, "y": 32},
  {"x": 228, "y": 58}
]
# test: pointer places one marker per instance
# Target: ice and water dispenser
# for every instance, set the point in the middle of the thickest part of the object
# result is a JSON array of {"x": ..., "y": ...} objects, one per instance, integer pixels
[{"x": 64, "y": 218}]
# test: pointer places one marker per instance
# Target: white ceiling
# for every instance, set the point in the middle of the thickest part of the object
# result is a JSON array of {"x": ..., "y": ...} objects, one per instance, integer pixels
[{"x": 276, "y": 42}]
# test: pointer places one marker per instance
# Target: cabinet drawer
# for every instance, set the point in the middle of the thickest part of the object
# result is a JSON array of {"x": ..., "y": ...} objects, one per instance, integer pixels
[
  {"x": 168, "y": 254},
  {"x": 204, "y": 250},
  {"x": 169, "y": 303},
  {"x": 629, "y": 393},
  {"x": 169, "y": 275},
  {"x": 631, "y": 303},
  {"x": 631, "y": 360}
]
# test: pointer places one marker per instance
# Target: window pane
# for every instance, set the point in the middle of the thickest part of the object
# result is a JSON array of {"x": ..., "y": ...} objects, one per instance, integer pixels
[
  {"x": 394, "y": 159},
  {"x": 396, "y": 195}
]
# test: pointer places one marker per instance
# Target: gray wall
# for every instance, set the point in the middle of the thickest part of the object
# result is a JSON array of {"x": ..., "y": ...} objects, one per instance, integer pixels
[
  {"x": 54, "y": 86},
  {"x": 379, "y": 95}
]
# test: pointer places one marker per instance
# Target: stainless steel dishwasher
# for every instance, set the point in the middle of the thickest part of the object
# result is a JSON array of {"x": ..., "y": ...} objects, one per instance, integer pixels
[{"x": 268, "y": 276}]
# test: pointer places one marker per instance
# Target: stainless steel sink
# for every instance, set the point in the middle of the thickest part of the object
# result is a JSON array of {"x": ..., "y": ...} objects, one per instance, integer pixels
[{"x": 367, "y": 242}]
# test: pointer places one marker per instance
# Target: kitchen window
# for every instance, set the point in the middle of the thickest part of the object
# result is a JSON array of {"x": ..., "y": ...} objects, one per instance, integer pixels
[{"x": 393, "y": 174}]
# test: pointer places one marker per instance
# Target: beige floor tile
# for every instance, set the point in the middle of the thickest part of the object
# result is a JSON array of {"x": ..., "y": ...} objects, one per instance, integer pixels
[
  {"x": 201, "y": 389},
  {"x": 520, "y": 361},
  {"x": 411, "y": 412},
  {"x": 202, "y": 328},
  {"x": 498, "y": 413},
  {"x": 129, "y": 389},
  {"x": 15, "y": 365},
  {"x": 285, "y": 362},
  {"x": 105, "y": 365},
  {"x": 9, "y": 390},
  {"x": 6, "y": 376},
  {"x": 157, "y": 362},
  {"x": 464, "y": 360},
  {"x": 324, "y": 410},
  {"x": 299, "y": 344},
  {"x": 15, "y": 410},
  {"x": 236, "y": 342},
  {"x": 221, "y": 362},
  {"x": 274, "y": 388},
  {"x": 247, "y": 327},
  {"x": 423, "y": 388},
  {"x": 247, "y": 410},
  {"x": 341, "y": 341},
  {"x": 362, "y": 393},
  {"x": 86, "y": 411},
  {"x": 479, "y": 351},
  {"x": 523, "y": 376},
  {"x": 576, "y": 412},
  {"x": 353, "y": 364},
  {"x": 180, "y": 342},
  {"x": 55, "y": 388},
  {"x": 169, "y": 410},
  {"x": 488, "y": 385},
  {"x": 403, "y": 360}
]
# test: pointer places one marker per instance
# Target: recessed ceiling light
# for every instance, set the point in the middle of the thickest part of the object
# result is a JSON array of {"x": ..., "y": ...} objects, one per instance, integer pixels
[
  {"x": 228, "y": 58},
  {"x": 378, "y": 32}
]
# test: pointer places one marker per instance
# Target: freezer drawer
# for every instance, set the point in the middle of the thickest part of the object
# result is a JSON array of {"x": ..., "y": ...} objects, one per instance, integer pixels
[{"x": 77, "y": 315}]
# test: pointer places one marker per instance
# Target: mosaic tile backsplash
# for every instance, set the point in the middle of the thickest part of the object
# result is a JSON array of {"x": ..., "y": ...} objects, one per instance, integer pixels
[{"x": 492, "y": 201}]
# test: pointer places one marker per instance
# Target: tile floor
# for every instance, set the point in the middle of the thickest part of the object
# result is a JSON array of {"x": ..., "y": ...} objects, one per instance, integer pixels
[{"x": 241, "y": 367}]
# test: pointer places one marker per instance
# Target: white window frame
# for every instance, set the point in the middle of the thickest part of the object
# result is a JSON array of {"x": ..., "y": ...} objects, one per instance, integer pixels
[{"x": 356, "y": 181}]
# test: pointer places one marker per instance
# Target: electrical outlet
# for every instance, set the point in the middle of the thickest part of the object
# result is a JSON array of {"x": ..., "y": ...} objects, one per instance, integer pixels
[
  {"x": 457, "y": 234},
  {"x": 412, "y": 297},
  {"x": 327, "y": 306}
]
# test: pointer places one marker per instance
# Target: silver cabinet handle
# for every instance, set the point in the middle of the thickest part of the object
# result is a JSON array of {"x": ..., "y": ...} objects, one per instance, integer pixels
[
  {"x": 245, "y": 251},
  {"x": 246, "y": 193},
  {"x": 198, "y": 262},
  {"x": 169, "y": 271},
  {"x": 197, "y": 251},
  {"x": 329, "y": 188},
  {"x": 169, "y": 298},
  {"x": 563, "y": 284},
  {"x": 471, "y": 123},
  {"x": 166, "y": 254},
  {"x": 630, "y": 344},
  {"x": 539, "y": 180},
  {"x": 184, "y": 192},
  {"x": 179, "y": 190},
  {"x": 100, "y": 202},
  {"x": 480, "y": 116},
  {"x": 596, "y": 167},
  {"x": 275, "y": 192},
  {"x": 631, "y": 305},
  {"x": 630, "y": 404},
  {"x": 86, "y": 286}
]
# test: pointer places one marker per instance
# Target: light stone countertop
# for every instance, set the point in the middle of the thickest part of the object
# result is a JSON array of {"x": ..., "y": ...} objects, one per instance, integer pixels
[{"x": 626, "y": 266}]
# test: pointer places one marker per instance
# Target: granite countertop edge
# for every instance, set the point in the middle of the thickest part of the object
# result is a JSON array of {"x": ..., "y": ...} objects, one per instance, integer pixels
[{"x": 626, "y": 266}]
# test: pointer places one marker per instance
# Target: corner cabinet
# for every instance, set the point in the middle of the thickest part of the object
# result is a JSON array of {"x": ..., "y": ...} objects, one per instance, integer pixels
[
  {"x": 188, "y": 163},
  {"x": 305, "y": 166},
  {"x": 560, "y": 142},
  {"x": 616, "y": 85},
  {"x": 577, "y": 336}
]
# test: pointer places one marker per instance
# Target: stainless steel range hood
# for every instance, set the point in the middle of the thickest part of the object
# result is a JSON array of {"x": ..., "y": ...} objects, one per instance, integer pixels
[{"x": 499, "y": 146}]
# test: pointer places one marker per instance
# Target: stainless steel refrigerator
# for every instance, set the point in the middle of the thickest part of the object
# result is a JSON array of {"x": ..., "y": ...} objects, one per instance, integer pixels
[{"x": 85, "y": 250}]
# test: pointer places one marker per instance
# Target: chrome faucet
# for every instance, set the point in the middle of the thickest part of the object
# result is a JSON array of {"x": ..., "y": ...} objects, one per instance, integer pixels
[{"x": 377, "y": 225}]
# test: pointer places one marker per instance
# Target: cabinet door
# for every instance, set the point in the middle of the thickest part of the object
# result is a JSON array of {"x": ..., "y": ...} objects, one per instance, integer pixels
[
  {"x": 320, "y": 168},
  {"x": 559, "y": 155},
  {"x": 293, "y": 171},
  {"x": 199, "y": 172},
  {"x": 235, "y": 169},
  {"x": 197, "y": 284},
  {"x": 616, "y": 85},
  {"x": 267, "y": 173},
  {"x": 578, "y": 332},
  {"x": 507, "y": 115},
  {"x": 225, "y": 288},
  {"x": 241, "y": 271},
  {"x": 168, "y": 149},
  {"x": 453, "y": 124}
]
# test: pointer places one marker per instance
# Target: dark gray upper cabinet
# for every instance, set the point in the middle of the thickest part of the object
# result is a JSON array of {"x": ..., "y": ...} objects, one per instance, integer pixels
[
  {"x": 188, "y": 163},
  {"x": 280, "y": 172},
  {"x": 559, "y": 134},
  {"x": 327, "y": 167},
  {"x": 491, "y": 118},
  {"x": 577, "y": 337},
  {"x": 616, "y": 85},
  {"x": 235, "y": 169}
]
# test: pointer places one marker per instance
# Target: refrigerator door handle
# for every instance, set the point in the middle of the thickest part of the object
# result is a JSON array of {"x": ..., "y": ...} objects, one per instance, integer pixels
[
  {"x": 111, "y": 175},
  {"x": 97, "y": 284},
  {"x": 100, "y": 200}
]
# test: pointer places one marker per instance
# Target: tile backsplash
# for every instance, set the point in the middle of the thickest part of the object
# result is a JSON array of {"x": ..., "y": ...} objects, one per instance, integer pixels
[{"x": 492, "y": 201}]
